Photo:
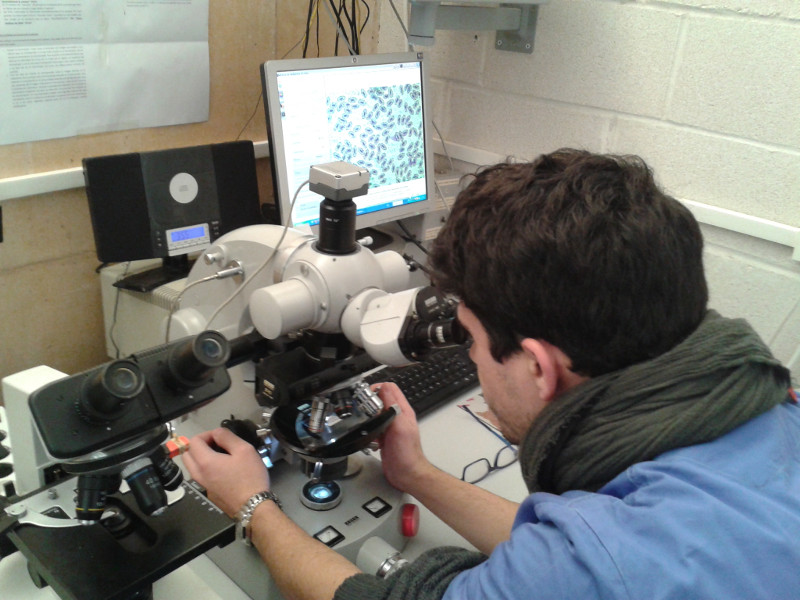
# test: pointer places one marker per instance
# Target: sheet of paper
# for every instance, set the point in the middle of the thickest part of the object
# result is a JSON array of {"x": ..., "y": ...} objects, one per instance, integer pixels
[
  {"x": 479, "y": 408},
  {"x": 73, "y": 67}
]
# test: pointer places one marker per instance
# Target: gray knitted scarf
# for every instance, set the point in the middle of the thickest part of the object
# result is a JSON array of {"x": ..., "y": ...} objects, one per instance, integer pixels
[
  {"x": 718, "y": 378},
  {"x": 721, "y": 376}
]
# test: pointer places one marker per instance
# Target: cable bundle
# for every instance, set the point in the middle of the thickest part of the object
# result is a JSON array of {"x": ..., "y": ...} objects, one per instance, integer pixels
[{"x": 346, "y": 17}]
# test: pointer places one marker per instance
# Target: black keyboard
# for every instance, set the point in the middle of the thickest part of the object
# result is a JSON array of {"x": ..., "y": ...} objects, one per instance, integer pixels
[{"x": 441, "y": 377}]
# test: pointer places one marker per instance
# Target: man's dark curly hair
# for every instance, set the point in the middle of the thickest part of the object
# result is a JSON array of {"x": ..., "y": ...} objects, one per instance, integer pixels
[{"x": 581, "y": 250}]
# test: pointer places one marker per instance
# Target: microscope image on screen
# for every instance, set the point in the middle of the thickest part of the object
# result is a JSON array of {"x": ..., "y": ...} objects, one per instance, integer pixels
[
  {"x": 369, "y": 111},
  {"x": 383, "y": 129}
]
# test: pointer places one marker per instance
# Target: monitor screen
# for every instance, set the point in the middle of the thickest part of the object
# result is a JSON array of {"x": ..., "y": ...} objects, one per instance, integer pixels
[{"x": 368, "y": 110}]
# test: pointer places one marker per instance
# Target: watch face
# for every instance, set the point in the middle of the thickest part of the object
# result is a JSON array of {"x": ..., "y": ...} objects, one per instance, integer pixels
[
  {"x": 244, "y": 515},
  {"x": 242, "y": 533}
]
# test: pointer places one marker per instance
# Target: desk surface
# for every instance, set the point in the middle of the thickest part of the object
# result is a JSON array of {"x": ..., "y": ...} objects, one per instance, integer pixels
[{"x": 451, "y": 438}]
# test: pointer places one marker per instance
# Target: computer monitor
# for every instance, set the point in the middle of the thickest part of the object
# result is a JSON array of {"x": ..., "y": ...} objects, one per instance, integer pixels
[
  {"x": 369, "y": 110},
  {"x": 169, "y": 203}
]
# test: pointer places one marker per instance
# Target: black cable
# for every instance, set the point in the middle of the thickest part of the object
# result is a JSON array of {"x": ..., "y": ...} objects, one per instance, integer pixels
[
  {"x": 353, "y": 25},
  {"x": 317, "y": 30},
  {"x": 114, "y": 315},
  {"x": 364, "y": 24},
  {"x": 349, "y": 31},
  {"x": 308, "y": 27},
  {"x": 414, "y": 264},
  {"x": 336, "y": 37},
  {"x": 258, "y": 102},
  {"x": 409, "y": 237},
  {"x": 341, "y": 30}
]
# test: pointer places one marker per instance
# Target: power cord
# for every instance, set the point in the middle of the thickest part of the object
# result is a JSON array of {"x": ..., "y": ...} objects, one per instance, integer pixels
[
  {"x": 116, "y": 309},
  {"x": 409, "y": 237},
  {"x": 265, "y": 263}
]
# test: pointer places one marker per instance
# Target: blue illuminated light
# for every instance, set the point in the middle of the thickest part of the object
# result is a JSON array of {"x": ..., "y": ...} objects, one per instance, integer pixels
[{"x": 321, "y": 492}]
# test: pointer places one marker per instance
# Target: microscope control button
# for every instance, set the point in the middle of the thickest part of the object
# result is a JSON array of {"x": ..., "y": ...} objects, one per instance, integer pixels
[
  {"x": 409, "y": 520},
  {"x": 329, "y": 536},
  {"x": 377, "y": 507}
]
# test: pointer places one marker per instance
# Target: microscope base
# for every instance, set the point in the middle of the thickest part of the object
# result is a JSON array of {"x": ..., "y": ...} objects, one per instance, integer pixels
[
  {"x": 89, "y": 563},
  {"x": 352, "y": 520}
]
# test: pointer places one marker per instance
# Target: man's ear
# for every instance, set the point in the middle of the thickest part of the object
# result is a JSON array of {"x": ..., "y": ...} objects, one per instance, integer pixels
[{"x": 544, "y": 366}]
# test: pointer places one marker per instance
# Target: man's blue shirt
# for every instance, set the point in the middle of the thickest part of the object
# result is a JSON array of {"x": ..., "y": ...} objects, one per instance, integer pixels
[{"x": 714, "y": 521}]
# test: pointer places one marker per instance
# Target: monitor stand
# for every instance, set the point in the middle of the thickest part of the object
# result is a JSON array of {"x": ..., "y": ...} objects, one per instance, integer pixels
[{"x": 172, "y": 268}]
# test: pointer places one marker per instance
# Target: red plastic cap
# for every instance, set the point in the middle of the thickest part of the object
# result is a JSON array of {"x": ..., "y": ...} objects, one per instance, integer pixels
[
  {"x": 176, "y": 446},
  {"x": 409, "y": 520}
]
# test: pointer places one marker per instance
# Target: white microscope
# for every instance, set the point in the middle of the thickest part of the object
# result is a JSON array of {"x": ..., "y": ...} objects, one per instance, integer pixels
[{"x": 277, "y": 327}]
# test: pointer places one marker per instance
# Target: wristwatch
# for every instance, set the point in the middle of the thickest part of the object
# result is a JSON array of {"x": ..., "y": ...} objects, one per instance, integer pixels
[{"x": 246, "y": 513}]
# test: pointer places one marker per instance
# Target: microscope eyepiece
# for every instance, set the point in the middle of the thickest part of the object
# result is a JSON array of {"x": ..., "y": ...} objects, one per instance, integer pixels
[
  {"x": 433, "y": 325},
  {"x": 123, "y": 381},
  {"x": 211, "y": 349},
  {"x": 195, "y": 361},
  {"x": 104, "y": 396},
  {"x": 421, "y": 336}
]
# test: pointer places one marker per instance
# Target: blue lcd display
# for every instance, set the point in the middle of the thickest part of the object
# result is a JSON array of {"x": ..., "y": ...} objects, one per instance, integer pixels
[{"x": 190, "y": 233}]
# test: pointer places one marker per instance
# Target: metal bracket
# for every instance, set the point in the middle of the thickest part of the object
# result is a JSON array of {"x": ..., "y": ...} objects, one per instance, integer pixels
[
  {"x": 36, "y": 509},
  {"x": 477, "y": 18},
  {"x": 520, "y": 40},
  {"x": 514, "y": 21}
]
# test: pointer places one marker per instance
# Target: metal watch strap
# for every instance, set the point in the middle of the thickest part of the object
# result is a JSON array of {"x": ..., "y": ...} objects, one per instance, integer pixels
[{"x": 246, "y": 513}]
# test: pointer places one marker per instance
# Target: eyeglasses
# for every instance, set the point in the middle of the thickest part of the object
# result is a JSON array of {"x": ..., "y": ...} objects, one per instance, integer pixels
[{"x": 479, "y": 469}]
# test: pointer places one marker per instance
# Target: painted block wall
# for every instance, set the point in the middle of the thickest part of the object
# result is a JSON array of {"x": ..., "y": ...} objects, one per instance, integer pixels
[{"x": 706, "y": 91}]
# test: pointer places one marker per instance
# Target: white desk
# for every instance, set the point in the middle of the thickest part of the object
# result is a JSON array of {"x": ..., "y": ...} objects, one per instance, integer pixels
[{"x": 451, "y": 438}]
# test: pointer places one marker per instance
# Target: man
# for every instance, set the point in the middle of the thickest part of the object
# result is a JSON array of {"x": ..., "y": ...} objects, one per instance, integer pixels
[{"x": 657, "y": 438}]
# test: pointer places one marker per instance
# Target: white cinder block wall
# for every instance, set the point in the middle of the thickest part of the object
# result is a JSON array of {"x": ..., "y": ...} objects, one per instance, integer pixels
[{"x": 706, "y": 91}]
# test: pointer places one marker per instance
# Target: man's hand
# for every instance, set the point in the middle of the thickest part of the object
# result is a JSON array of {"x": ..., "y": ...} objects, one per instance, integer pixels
[
  {"x": 483, "y": 518},
  {"x": 302, "y": 567},
  {"x": 401, "y": 450},
  {"x": 231, "y": 476}
]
